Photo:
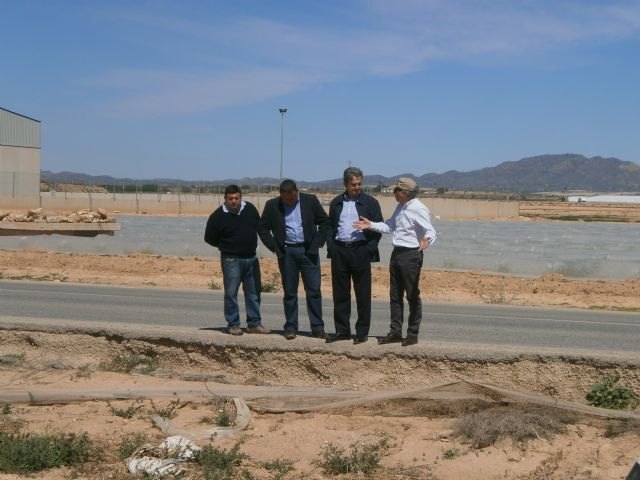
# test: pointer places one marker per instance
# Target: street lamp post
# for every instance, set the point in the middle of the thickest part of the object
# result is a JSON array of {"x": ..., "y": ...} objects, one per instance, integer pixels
[{"x": 282, "y": 112}]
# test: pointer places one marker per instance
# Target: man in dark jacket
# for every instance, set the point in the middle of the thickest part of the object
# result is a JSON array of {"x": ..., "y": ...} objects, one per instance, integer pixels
[
  {"x": 351, "y": 252},
  {"x": 232, "y": 228},
  {"x": 294, "y": 227}
]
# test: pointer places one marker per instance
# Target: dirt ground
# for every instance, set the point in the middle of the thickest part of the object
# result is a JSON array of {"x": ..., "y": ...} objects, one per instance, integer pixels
[
  {"x": 63, "y": 383},
  {"x": 303, "y": 402}
]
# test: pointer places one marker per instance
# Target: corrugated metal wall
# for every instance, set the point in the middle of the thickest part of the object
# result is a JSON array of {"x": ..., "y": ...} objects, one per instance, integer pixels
[
  {"x": 18, "y": 131},
  {"x": 19, "y": 156}
]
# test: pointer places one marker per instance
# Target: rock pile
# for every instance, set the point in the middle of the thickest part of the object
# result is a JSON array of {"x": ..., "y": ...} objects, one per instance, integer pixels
[{"x": 37, "y": 215}]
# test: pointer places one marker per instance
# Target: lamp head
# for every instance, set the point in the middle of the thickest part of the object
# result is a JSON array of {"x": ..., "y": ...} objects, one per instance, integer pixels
[{"x": 283, "y": 110}]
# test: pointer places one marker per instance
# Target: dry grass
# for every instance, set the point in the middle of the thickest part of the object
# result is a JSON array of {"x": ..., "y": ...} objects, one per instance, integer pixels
[
  {"x": 620, "y": 427},
  {"x": 518, "y": 423}
]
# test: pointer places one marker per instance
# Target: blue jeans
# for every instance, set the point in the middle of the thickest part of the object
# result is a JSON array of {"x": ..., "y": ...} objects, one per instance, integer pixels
[
  {"x": 295, "y": 263},
  {"x": 245, "y": 271}
]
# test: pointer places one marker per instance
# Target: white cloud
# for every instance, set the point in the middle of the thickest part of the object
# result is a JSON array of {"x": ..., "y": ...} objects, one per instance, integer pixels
[
  {"x": 253, "y": 59},
  {"x": 163, "y": 93}
]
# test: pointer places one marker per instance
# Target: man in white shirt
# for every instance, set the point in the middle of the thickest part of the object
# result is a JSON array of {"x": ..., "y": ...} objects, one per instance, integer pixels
[{"x": 412, "y": 232}]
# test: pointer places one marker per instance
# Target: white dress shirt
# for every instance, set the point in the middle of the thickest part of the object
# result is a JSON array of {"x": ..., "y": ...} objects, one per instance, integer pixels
[
  {"x": 410, "y": 223},
  {"x": 349, "y": 214}
]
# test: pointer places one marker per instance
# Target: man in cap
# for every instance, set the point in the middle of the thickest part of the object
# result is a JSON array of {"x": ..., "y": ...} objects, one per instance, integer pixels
[{"x": 412, "y": 232}]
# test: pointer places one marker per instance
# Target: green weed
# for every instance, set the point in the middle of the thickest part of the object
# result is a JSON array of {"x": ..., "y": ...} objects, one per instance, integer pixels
[
  {"x": 450, "y": 453},
  {"x": 28, "y": 453},
  {"x": 127, "y": 413},
  {"x": 363, "y": 458},
  {"x": 280, "y": 468},
  {"x": 219, "y": 464},
  {"x": 12, "y": 359},
  {"x": 270, "y": 286},
  {"x": 607, "y": 395},
  {"x": 130, "y": 444},
  {"x": 82, "y": 372},
  {"x": 129, "y": 363},
  {"x": 170, "y": 411}
]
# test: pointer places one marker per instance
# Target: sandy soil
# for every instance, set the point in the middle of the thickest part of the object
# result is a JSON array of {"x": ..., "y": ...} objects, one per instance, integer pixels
[
  {"x": 66, "y": 386},
  {"x": 50, "y": 370}
]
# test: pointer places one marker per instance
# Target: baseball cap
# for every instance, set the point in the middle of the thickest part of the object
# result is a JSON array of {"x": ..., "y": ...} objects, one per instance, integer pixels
[{"x": 405, "y": 183}]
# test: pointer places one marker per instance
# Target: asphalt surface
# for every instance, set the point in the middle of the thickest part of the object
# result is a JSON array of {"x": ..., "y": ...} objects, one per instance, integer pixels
[{"x": 460, "y": 326}]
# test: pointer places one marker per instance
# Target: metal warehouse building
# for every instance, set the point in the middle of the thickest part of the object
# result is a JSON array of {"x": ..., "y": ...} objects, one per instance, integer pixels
[{"x": 19, "y": 156}]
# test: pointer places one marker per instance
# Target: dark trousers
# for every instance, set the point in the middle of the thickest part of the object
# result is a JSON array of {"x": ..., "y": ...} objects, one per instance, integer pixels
[
  {"x": 349, "y": 264},
  {"x": 404, "y": 271},
  {"x": 293, "y": 264}
]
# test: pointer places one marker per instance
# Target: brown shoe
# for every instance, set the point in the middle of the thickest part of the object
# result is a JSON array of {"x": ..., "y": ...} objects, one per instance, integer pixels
[
  {"x": 410, "y": 340},
  {"x": 390, "y": 338},
  {"x": 234, "y": 331},
  {"x": 290, "y": 335},
  {"x": 319, "y": 334},
  {"x": 259, "y": 329}
]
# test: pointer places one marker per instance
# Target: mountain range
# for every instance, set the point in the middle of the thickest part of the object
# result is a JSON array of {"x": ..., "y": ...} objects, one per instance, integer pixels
[{"x": 543, "y": 173}]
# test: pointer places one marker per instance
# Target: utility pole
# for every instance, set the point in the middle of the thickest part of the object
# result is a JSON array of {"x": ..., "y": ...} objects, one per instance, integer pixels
[{"x": 282, "y": 112}]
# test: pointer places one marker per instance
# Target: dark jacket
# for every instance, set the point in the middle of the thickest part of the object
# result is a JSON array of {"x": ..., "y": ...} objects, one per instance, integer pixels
[
  {"x": 315, "y": 224},
  {"x": 367, "y": 207},
  {"x": 233, "y": 234}
]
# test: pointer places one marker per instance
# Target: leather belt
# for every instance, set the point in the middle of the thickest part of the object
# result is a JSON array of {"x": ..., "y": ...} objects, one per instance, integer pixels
[
  {"x": 405, "y": 249},
  {"x": 298, "y": 245},
  {"x": 358, "y": 243}
]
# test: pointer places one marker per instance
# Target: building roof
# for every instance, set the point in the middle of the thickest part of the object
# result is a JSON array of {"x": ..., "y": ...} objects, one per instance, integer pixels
[{"x": 20, "y": 115}]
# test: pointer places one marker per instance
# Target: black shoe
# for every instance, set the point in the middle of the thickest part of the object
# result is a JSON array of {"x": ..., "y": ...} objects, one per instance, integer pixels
[
  {"x": 337, "y": 338},
  {"x": 410, "y": 340},
  {"x": 390, "y": 338},
  {"x": 290, "y": 335},
  {"x": 359, "y": 340},
  {"x": 319, "y": 334}
]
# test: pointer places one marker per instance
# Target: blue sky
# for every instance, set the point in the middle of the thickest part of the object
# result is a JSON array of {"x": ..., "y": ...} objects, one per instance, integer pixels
[{"x": 191, "y": 89}]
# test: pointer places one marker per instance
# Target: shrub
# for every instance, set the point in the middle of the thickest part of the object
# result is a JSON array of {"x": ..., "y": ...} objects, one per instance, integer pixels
[
  {"x": 607, "y": 395},
  {"x": 130, "y": 444},
  {"x": 270, "y": 286},
  {"x": 280, "y": 468},
  {"x": 363, "y": 459},
  {"x": 219, "y": 464},
  {"x": 449, "y": 453},
  {"x": 128, "y": 412},
  {"x": 128, "y": 363},
  {"x": 485, "y": 428},
  {"x": 170, "y": 411},
  {"x": 27, "y": 453}
]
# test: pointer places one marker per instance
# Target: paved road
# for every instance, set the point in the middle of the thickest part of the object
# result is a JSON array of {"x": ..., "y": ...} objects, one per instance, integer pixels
[{"x": 476, "y": 325}]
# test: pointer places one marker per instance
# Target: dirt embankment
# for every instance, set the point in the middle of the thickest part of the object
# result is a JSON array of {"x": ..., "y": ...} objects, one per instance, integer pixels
[
  {"x": 601, "y": 212},
  {"x": 304, "y": 399}
]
